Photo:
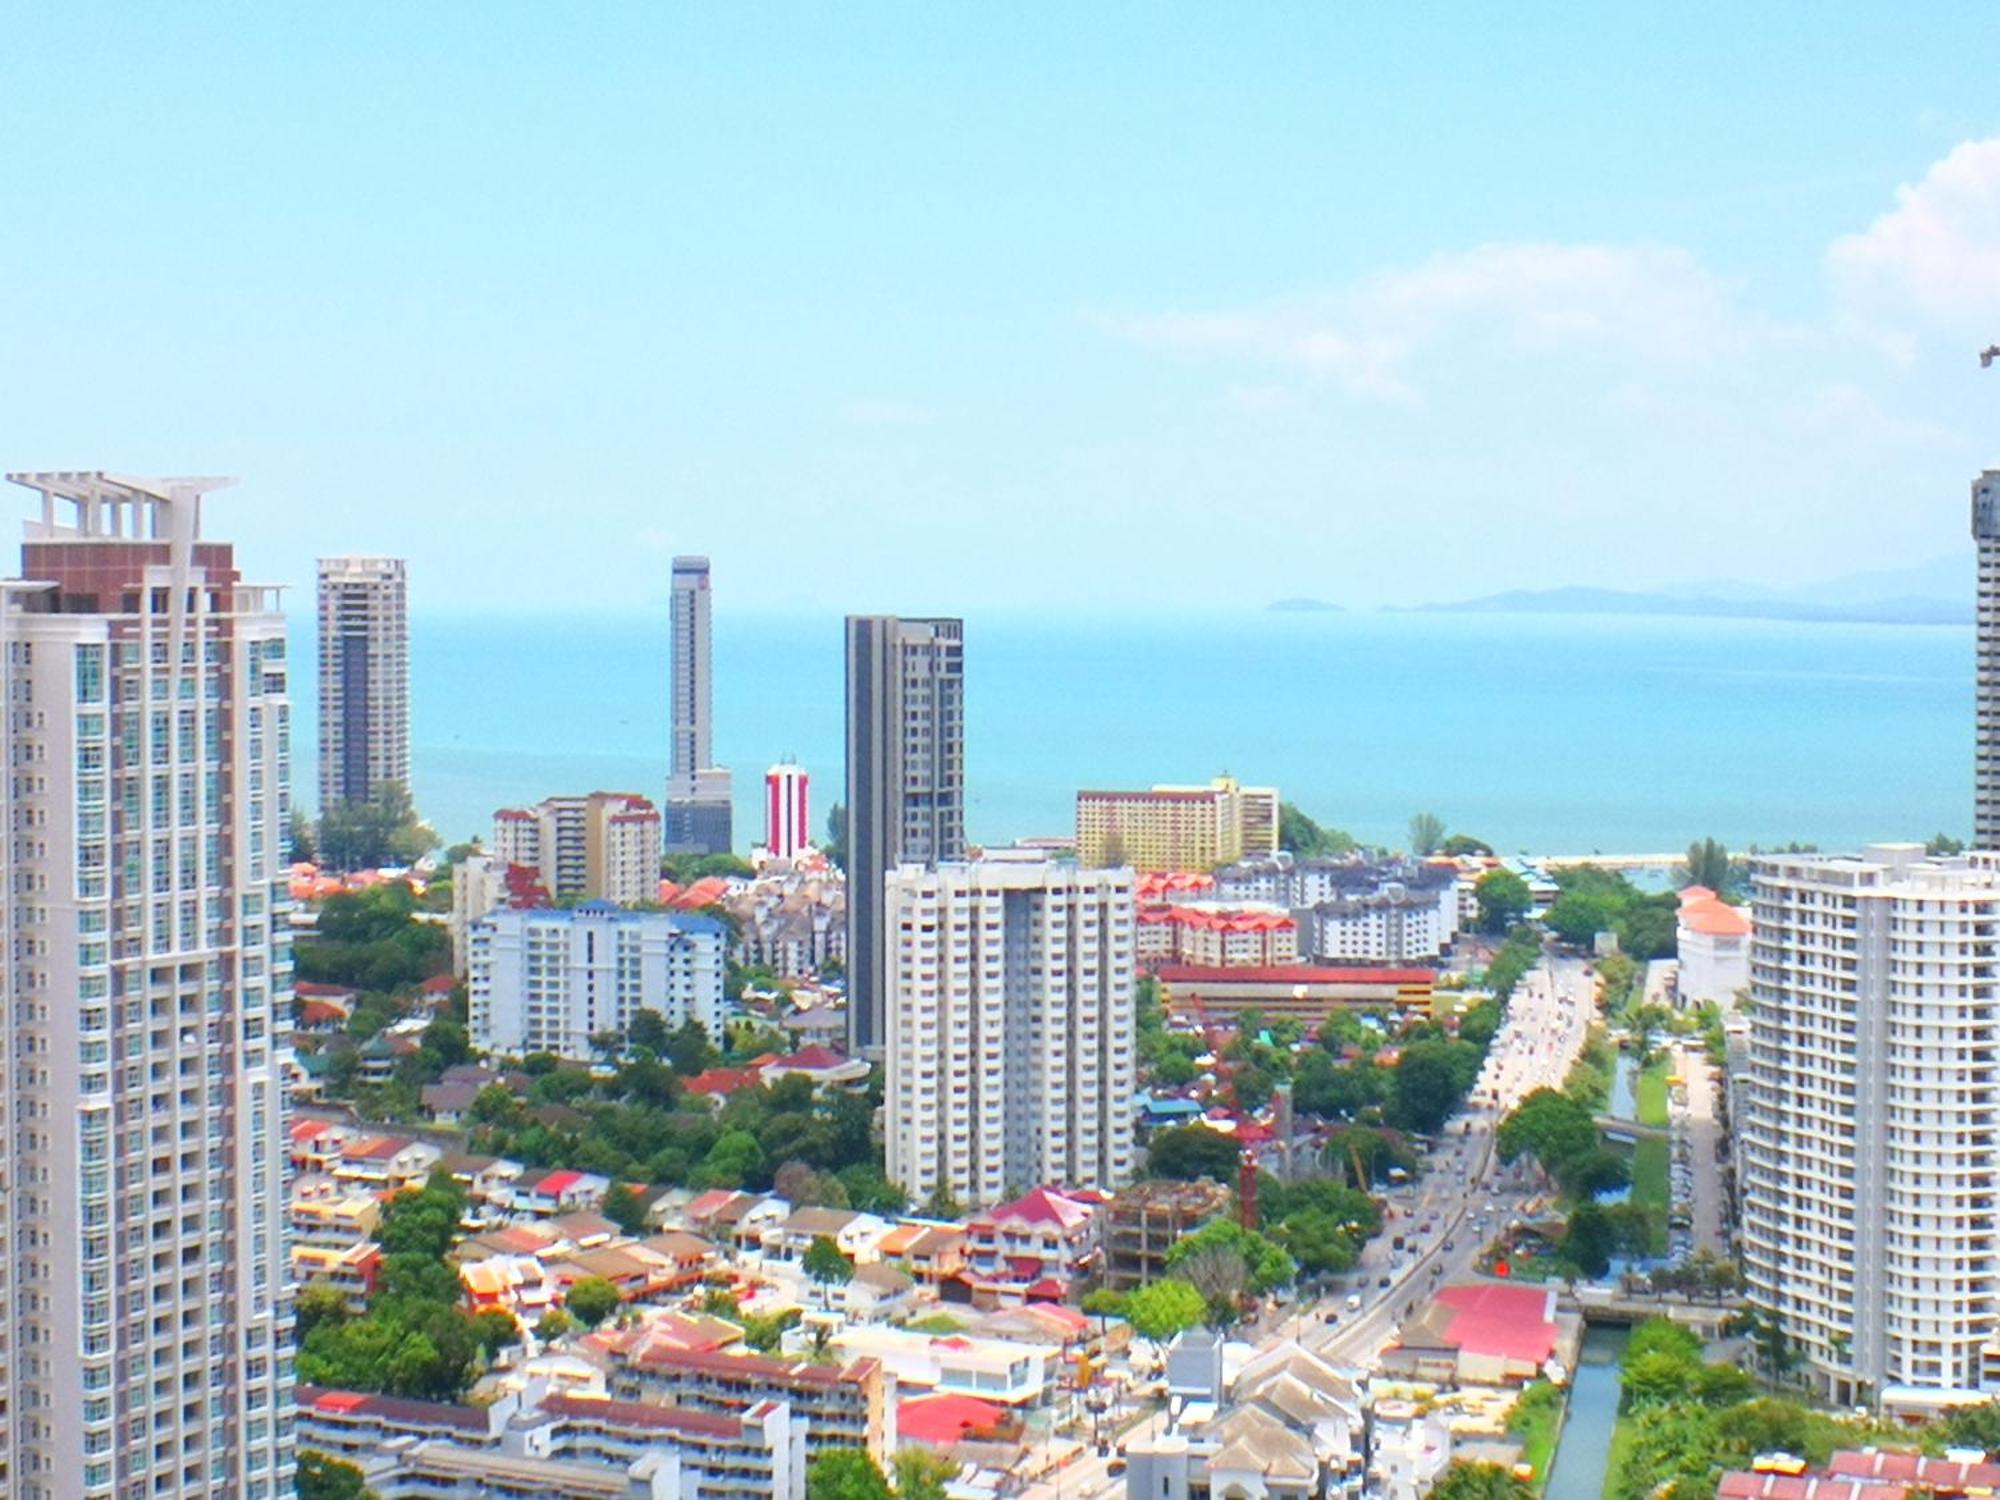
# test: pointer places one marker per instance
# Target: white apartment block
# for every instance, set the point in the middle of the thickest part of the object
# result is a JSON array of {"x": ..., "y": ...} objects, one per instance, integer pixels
[
  {"x": 787, "y": 811},
  {"x": 550, "y": 979},
  {"x": 1010, "y": 1026},
  {"x": 1393, "y": 925},
  {"x": 478, "y": 885},
  {"x": 1870, "y": 1118},
  {"x": 364, "y": 677},
  {"x": 603, "y": 846},
  {"x": 145, "y": 1310}
]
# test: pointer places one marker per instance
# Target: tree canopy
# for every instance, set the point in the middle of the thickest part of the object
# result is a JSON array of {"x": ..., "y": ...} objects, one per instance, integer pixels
[
  {"x": 1300, "y": 835},
  {"x": 1186, "y": 1152},
  {"x": 1504, "y": 899},
  {"x": 382, "y": 831},
  {"x": 1163, "y": 1308}
]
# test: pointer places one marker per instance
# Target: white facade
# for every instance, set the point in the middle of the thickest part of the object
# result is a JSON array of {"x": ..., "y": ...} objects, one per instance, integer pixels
[
  {"x": 548, "y": 980},
  {"x": 1010, "y": 1026},
  {"x": 1869, "y": 1122},
  {"x": 364, "y": 677},
  {"x": 604, "y": 846},
  {"x": 1393, "y": 925},
  {"x": 478, "y": 885},
  {"x": 145, "y": 1308}
]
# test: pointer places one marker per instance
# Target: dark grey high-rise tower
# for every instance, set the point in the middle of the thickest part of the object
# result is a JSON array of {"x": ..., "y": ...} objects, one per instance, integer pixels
[
  {"x": 905, "y": 782},
  {"x": 698, "y": 791},
  {"x": 364, "y": 678},
  {"x": 1986, "y": 666}
]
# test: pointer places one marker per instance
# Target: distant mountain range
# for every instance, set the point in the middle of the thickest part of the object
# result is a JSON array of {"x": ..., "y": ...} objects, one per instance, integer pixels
[{"x": 1939, "y": 592}]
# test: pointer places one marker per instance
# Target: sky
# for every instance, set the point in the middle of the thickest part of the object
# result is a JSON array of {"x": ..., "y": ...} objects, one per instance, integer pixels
[{"x": 953, "y": 307}]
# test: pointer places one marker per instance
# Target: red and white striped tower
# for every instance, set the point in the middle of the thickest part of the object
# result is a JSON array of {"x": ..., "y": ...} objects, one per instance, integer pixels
[{"x": 787, "y": 826}]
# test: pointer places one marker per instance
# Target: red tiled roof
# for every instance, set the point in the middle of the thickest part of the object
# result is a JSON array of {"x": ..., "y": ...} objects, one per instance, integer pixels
[
  {"x": 1039, "y": 1206},
  {"x": 557, "y": 1183},
  {"x": 439, "y": 985},
  {"x": 375, "y": 1148},
  {"x": 1293, "y": 974},
  {"x": 944, "y": 1420},
  {"x": 720, "y": 1081},
  {"x": 1511, "y": 1322},
  {"x": 641, "y": 1414},
  {"x": 1915, "y": 1468},
  {"x": 1704, "y": 912},
  {"x": 812, "y": 1059},
  {"x": 1742, "y": 1485}
]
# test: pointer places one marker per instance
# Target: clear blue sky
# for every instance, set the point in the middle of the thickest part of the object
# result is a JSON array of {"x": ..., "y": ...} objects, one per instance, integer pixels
[{"x": 924, "y": 307}]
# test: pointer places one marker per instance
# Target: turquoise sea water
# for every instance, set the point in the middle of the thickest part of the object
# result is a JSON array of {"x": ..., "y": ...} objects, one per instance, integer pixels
[{"x": 1552, "y": 733}]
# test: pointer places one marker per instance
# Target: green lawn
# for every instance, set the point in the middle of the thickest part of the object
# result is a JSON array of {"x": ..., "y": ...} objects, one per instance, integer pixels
[
  {"x": 1537, "y": 1421},
  {"x": 1649, "y": 1091},
  {"x": 1650, "y": 1188}
]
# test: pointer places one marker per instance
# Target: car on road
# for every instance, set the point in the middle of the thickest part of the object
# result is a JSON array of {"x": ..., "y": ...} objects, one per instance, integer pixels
[
  {"x": 1383, "y": 1282},
  {"x": 1353, "y": 1302}
]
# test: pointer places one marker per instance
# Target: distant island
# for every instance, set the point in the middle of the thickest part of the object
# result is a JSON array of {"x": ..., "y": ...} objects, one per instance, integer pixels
[
  {"x": 1302, "y": 606},
  {"x": 1903, "y": 610}
]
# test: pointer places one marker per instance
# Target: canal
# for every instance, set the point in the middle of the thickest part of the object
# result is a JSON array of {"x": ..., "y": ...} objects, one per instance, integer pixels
[{"x": 1583, "y": 1454}]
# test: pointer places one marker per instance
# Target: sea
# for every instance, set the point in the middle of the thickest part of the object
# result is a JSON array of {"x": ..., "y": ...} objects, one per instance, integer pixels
[{"x": 1537, "y": 733}]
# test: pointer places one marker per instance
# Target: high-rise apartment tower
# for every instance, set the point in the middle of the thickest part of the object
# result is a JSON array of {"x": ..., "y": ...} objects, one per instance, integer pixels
[
  {"x": 364, "y": 677},
  {"x": 1986, "y": 667},
  {"x": 698, "y": 791},
  {"x": 905, "y": 782},
  {"x": 1009, "y": 1038},
  {"x": 1869, "y": 1122},
  {"x": 145, "y": 1310}
]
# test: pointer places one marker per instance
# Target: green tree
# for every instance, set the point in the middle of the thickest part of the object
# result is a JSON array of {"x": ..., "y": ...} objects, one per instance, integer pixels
[
  {"x": 1300, "y": 835},
  {"x": 554, "y": 1324},
  {"x": 322, "y": 1477},
  {"x": 941, "y": 1204},
  {"x": 300, "y": 844},
  {"x": 1587, "y": 1242},
  {"x": 1426, "y": 834},
  {"x": 1578, "y": 916},
  {"x": 1460, "y": 846},
  {"x": 625, "y": 1208},
  {"x": 1707, "y": 864},
  {"x": 1431, "y": 1080},
  {"x": 836, "y": 835},
  {"x": 922, "y": 1474},
  {"x": 648, "y": 1029},
  {"x": 1943, "y": 843},
  {"x": 1504, "y": 899},
  {"x": 592, "y": 1300},
  {"x": 1224, "y": 1261},
  {"x": 846, "y": 1474},
  {"x": 382, "y": 831},
  {"x": 1463, "y": 1481},
  {"x": 1163, "y": 1308},
  {"x": 318, "y": 1302},
  {"x": 690, "y": 1050},
  {"x": 1187, "y": 1152},
  {"x": 493, "y": 1330},
  {"x": 825, "y": 1265}
]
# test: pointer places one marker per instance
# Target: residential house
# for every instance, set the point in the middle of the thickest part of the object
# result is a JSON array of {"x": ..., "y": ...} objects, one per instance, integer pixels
[
  {"x": 548, "y": 1192},
  {"x": 1039, "y": 1245},
  {"x": 842, "y": 1406},
  {"x": 386, "y": 1164},
  {"x": 931, "y": 1253}
]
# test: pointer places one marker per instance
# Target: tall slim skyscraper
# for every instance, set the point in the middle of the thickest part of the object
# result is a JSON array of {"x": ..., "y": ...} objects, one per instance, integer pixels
[
  {"x": 1870, "y": 1134},
  {"x": 693, "y": 700},
  {"x": 905, "y": 782},
  {"x": 145, "y": 1310},
  {"x": 1009, "y": 1038},
  {"x": 787, "y": 812},
  {"x": 1986, "y": 668},
  {"x": 364, "y": 677},
  {"x": 698, "y": 791}
]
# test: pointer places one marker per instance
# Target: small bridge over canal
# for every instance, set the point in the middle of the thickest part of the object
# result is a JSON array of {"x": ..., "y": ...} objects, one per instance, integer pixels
[{"x": 1610, "y": 1304}]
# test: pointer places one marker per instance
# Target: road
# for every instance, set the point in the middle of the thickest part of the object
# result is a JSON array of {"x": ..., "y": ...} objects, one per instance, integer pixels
[
  {"x": 1709, "y": 1209},
  {"x": 1461, "y": 1196}
]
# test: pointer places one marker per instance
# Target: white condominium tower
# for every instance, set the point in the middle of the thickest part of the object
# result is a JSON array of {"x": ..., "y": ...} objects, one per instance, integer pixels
[
  {"x": 364, "y": 678},
  {"x": 1870, "y": 1137},
  {"x": 787, "y": 812},
  {"x": 551, "y": 979},
  {"x": 905, "y": 783},
  {"x": 145, "y": 1315},
  {"x": 1010, "y": 1026},
  {"x": 1986, "y": 668}
]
